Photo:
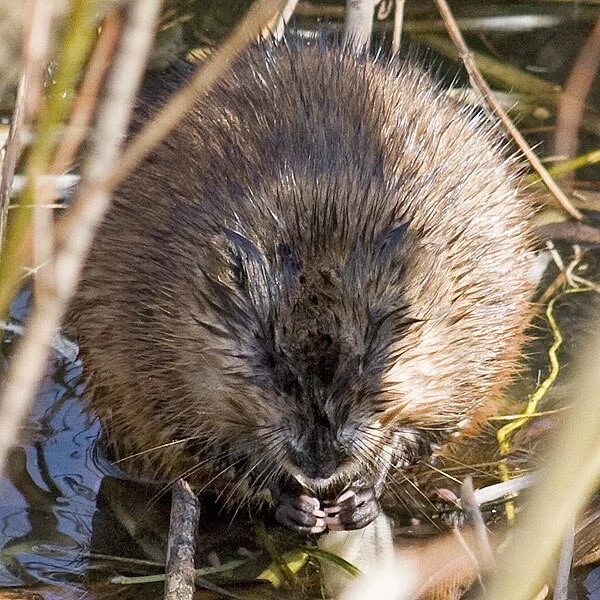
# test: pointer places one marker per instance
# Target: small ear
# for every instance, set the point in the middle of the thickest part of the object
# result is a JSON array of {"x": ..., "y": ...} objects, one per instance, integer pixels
[
  {"x": 243, "y": 245},
  {"x": 391, "y": 239},
  {"x": 252, "y": 270}
]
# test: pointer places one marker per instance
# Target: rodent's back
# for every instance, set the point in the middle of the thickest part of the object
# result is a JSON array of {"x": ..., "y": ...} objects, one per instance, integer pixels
[{"x": 309, "y": 196}]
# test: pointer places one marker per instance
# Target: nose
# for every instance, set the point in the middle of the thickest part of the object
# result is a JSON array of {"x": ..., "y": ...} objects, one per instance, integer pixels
[
  {"x": 317, "y": 455},
  {"x": 315, "y": 467}
]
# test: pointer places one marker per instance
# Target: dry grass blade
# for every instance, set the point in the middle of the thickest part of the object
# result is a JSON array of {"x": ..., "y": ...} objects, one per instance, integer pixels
[
  {"x": 277, "y": 28},
  {"x": 57, "y": 285},
  {"x": 479, "y": 83},
  {"x": 398, "y": 20},
  {"x": 568, "y": 482},
  {"x": 208, "y": 73},
  {"x": 475, "y": 518}
]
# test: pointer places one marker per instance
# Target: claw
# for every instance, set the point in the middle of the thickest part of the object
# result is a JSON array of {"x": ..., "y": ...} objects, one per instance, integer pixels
[{"x": 301, "y": 513}]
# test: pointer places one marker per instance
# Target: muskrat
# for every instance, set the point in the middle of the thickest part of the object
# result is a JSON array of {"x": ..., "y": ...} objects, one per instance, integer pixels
[{"x": 319, "y": 277}]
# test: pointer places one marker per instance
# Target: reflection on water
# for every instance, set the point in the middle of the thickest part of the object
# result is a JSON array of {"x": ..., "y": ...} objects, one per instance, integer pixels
[{"x": 48, "y": 496}]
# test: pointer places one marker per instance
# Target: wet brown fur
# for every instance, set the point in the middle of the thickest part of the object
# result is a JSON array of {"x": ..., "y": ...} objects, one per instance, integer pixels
[{"x": 322, "y": 230}]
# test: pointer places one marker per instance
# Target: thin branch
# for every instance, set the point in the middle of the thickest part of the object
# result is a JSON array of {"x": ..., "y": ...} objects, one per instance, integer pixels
[
  {"x": 576, "y": 233},
  {"x": 28, "y": 100},
  {"x": 278, "y": 29},
  {"x": 87, "y": 96},
  {"x": 479, "y": 83},
  {"x": 358, "y": 24},
  {"x": 181, "y": 547},
  {"x": 563, "y": 573},
  {"x": 571, "y": 105},
  {"x": 207, "y": 74},
  {"x": 398, "y": 21},
  {"x": 92, "y": 201}
]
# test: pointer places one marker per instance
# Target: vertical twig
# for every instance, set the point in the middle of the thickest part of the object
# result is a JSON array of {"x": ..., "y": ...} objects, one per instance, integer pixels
[
  {"x": 181, "y": 547},
  {"x": 485, "y": 556},
  {"x": 398, "y": 20},
  {"x": 358, "y": 23},
  {"x": 563, "y": 573},
  {"x": 571, "y": 104},
  {"x": 83, "y": 106},
  {"x": 479, "y": 83},
  {"x": 29, "y": 94},
  {"x": 278, "y": 29},
  {"x": 78, "y": 39},
  {"x": 92, "y": 200}
]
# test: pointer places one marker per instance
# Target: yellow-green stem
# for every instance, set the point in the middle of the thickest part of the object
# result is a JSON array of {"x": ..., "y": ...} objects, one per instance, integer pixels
[{"x": 76, "y": 44}]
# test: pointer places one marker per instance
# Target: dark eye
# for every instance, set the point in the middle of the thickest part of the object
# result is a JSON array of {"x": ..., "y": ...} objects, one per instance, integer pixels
[
  {"x": 413, "y": 446},
  {"x": 289, "y": 385}
]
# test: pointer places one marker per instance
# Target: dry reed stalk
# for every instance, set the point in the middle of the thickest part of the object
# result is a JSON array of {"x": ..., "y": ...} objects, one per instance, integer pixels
[
  {"x": 565, "y": 485},
  {"x": 479, "y": 83},
  {"x": 208, "y": 72},
  {"x": 77, "y": 41},
  {"x": 358, "y": 23},
  {"x": 56, "y": 285},
  {"x": 277, "y": 29},
  {"x": 571, "y": 105},
  {"x": 398, "y": 20},
  {"x": 83, "y": 106},
  {"x": 29, "y": 95}
]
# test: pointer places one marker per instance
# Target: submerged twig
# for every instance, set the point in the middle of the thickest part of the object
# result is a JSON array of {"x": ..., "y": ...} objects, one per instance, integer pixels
[
  {"x": 84, "y": 215},
  {"x": 479, "y": 83},
  {"x": 181, "y": 547}
]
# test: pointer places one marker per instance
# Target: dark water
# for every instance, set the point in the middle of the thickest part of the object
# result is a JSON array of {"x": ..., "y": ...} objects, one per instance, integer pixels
[{"x": 48, "y": 498}]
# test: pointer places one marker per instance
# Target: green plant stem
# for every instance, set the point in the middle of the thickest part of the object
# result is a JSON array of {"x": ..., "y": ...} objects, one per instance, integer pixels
[
  {"x": 568, "y": 166},
  {"x": 136, "y": 580},
  {"x": 76, "y": 44}
]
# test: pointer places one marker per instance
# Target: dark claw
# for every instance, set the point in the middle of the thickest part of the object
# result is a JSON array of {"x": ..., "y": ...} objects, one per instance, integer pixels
[
  {"x": 300, "y": 513},
  {"x": 354, "y": 509}
]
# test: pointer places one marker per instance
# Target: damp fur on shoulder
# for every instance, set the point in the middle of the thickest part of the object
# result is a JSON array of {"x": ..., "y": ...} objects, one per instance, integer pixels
[{"x": 320, "y": 275}]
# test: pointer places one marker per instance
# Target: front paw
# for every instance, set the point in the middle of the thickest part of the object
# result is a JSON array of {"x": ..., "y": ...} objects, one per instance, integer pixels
[
  {"x": 301, "y": 513},
  {"x": 353, "y": 509}
]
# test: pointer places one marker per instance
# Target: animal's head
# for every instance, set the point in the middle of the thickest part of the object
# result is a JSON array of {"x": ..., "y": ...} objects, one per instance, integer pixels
[{"x": 304, "y": 347}]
